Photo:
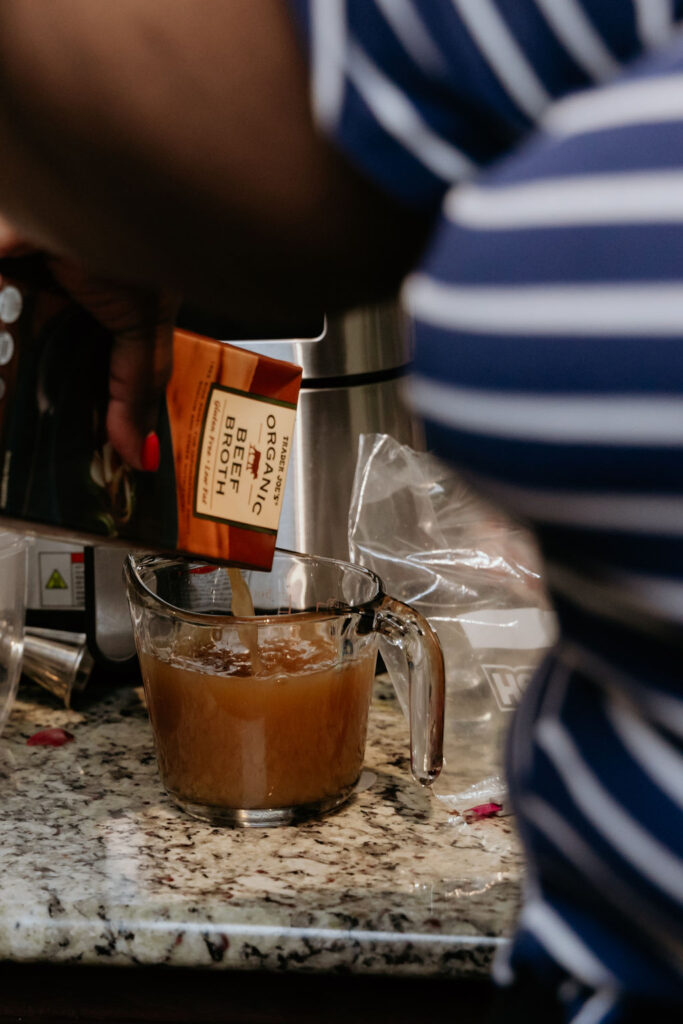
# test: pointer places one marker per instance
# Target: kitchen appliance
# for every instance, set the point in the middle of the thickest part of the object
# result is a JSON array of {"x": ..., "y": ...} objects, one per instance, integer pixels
[
  {"x": 354, "y": 374},
  {"x": 74, "y": 592},
  {"x": 353, "y": 382}
]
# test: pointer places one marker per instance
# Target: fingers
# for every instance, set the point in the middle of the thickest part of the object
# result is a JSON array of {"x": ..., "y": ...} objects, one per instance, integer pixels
[
  {"x": 139, "y": 370},
  {"x": 141, "y": 324}
]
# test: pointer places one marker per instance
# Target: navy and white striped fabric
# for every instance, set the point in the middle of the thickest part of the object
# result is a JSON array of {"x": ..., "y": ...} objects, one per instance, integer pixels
[{"x": 545, "y": 140}]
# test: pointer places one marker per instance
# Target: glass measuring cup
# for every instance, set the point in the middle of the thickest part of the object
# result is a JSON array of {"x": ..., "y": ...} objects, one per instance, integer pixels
[{"x": 262, "y": 720}]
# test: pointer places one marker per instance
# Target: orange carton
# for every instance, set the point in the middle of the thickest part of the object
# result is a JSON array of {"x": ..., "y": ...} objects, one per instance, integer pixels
[{"x": 231, "y": 415}]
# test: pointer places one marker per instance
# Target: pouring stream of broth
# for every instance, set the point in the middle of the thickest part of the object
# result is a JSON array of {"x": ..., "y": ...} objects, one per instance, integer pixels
[
  {"x": 242, "y": 604},
  {"x": 243, "y": 607}
]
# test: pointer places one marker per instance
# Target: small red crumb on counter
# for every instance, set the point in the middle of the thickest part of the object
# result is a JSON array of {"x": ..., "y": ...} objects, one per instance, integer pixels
[
  {"x": 49, "y": 738},
  {"x": 484, "y": 810}
]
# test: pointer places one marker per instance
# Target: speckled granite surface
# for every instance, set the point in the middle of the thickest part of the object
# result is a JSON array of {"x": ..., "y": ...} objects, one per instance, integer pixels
[{"x": 97, "y": 865}]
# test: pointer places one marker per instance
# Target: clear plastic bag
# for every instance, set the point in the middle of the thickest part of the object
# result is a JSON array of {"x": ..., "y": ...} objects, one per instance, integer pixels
[{"x": 475, "y": 576}]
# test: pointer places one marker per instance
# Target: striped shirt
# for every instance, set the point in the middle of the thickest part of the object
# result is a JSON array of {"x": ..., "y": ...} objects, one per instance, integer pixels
[{"x": 544, "y": 140}]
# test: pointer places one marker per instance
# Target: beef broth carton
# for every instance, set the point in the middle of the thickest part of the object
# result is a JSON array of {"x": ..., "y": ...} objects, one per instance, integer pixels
[{"x": 225, "y": 429}]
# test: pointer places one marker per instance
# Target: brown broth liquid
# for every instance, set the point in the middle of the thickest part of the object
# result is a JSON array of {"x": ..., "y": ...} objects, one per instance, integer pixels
[
  {"x": 242, "y": 606},
  {"x": 290, "y": 734}
]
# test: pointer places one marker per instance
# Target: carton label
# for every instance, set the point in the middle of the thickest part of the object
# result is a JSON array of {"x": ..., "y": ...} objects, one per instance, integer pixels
[{"x": 245, "y": 444}]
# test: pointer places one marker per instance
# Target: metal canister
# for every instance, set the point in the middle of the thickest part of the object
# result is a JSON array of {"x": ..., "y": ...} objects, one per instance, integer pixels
[{"x": 353, "y": 382}]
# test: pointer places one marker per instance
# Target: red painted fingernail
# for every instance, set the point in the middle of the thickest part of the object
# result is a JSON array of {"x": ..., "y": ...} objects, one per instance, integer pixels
[{"x": 151, "y": 453}]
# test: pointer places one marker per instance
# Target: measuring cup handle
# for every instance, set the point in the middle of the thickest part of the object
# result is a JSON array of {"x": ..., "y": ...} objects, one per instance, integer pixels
[{"x": 407, "y": 630}]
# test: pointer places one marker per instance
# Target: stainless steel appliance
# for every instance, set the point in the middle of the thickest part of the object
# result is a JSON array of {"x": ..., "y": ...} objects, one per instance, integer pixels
[
  {"x": 354, "y": 374},
  {"x": 354, "y": 377},
  {"x": 77, "y": 592}
]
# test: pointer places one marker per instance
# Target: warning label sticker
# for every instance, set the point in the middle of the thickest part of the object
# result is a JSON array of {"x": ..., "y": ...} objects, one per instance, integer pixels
[
  {"x": 56, "y": 581},
  {"x": 61, "y": 579}
]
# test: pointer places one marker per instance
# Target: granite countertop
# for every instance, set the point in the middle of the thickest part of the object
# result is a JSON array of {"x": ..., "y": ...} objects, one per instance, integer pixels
[{"x": 98, "y": 866}]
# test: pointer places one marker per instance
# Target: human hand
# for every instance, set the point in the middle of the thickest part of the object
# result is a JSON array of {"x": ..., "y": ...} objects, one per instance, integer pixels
[{"x": 141, "y": 324}]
